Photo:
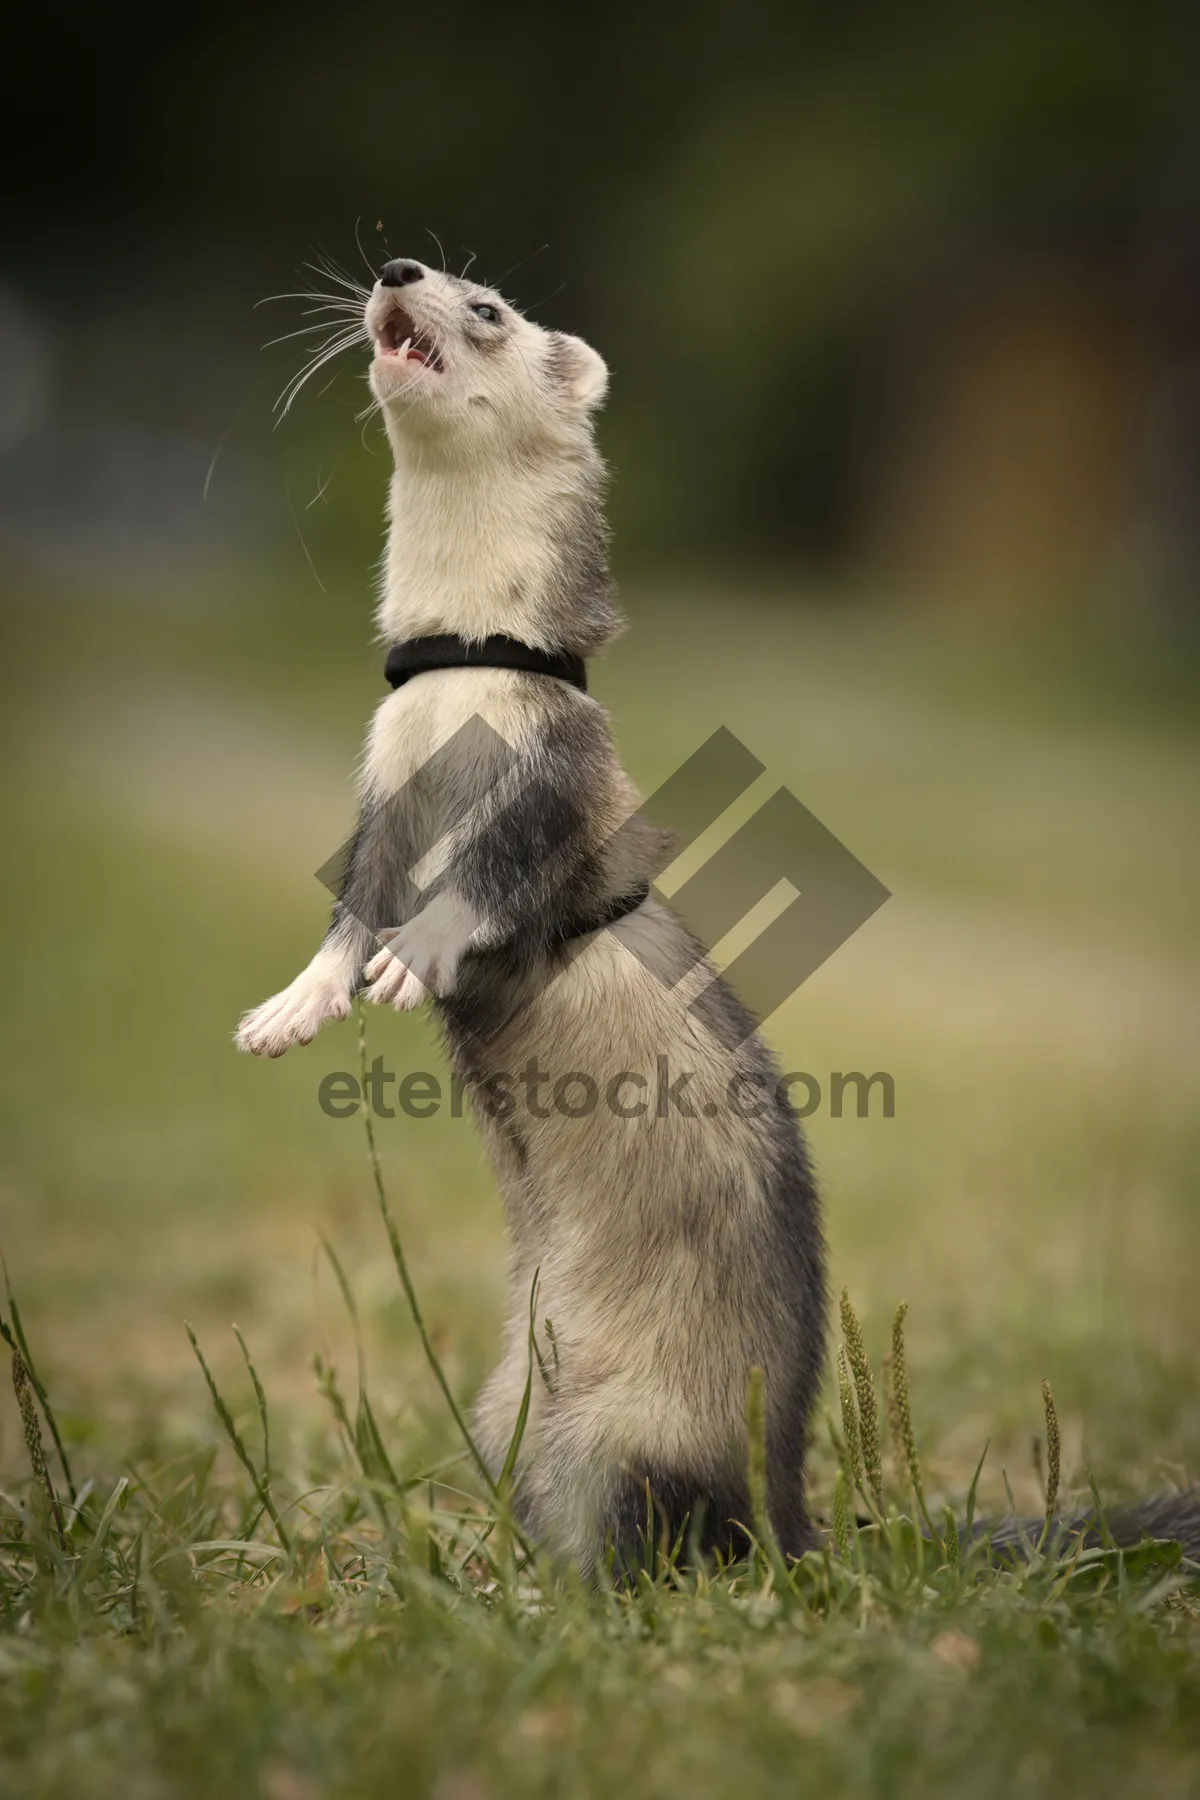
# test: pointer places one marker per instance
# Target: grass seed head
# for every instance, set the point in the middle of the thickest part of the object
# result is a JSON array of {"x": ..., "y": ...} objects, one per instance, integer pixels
[
  {"x": 891, "y": 1407},
  {"x": 1053, "y": 1452},
  {"x": 950, "y": 1536},
  {"x": 849, "y": 1420},
  {"x": 23, "y": 1389},
  {"x": 841, "y": 1516},
  {"x": 864, "y": 1388},
  {"x": 900, "y": 1412}
]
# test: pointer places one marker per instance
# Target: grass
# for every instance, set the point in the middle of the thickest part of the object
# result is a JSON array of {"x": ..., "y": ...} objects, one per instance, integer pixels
[
  {"x": 1032, "y": 988},
  {"x": 174, "y": 1635}
]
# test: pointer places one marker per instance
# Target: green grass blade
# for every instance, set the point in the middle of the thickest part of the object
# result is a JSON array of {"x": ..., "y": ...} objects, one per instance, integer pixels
[
  {"x": 92, "y": 1554},
  {"x": 366, "y": 1436},
  {"x": 401, "y": 1262},
  {"x": 972, "y": 1492},
  {"x": 261, "y": 1399},
  {"x": 235, "y": 1438}
]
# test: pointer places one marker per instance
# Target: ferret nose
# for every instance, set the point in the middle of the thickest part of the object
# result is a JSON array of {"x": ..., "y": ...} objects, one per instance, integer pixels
[{"x": 400, "y": 273}]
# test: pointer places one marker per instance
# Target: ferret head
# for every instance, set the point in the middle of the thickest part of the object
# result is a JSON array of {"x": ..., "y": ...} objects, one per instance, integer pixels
[{"x": 456, "y": 361}]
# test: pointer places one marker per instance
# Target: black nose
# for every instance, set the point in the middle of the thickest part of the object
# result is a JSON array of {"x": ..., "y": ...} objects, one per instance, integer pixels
[{"x": 400, "y": 273}]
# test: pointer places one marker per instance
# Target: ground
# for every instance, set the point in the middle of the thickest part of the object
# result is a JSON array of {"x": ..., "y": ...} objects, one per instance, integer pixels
[{"x": 1031, "y": 987}]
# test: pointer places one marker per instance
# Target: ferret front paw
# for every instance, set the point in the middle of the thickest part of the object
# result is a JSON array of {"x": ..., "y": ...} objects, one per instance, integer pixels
[
  {"x": 416, "y": 963},
  {"x": 391, "y": 983},
  {"x": 293, "y": 1017}
]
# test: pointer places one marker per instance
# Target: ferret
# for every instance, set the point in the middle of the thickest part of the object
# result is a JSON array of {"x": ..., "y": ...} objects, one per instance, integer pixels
[
  {"x": 668, "y": 1242},
  {"x": 501, "y": 870}
]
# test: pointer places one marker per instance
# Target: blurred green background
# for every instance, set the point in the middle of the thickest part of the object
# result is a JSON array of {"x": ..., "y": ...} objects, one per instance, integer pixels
[{"x": 903, "y": 314}]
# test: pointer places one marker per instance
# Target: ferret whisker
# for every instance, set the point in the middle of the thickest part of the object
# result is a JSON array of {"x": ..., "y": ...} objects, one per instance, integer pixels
[
  {"x": 322, "y": 487},
  {"x": 365, "y": 416},
  {"x": 336, "y": 269},
  {"x": 303, "y": 544},
  {"x": 343, "y": 280},
  {"x": 340, "y": 335},
  {"x": 549, "y": 296},
  {"x": 306, "y": 330},
  {"x": 322, "y": 302},
  {"x": 326, "y": 354},
  {"x": 518, "y": 265},
  {"x": 349, "y": 310},
  {"x": 307, "y": 293},
  {"x": 346, "y": 275}
]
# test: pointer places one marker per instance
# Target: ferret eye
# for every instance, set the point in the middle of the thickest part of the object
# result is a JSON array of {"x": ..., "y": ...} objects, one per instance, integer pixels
[{"x": 487, "y": 313}]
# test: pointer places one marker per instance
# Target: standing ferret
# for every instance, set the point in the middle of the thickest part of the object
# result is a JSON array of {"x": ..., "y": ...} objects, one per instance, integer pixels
[
  {"x": 501, "y": 868},
  {"x": 500, "y": 862}
]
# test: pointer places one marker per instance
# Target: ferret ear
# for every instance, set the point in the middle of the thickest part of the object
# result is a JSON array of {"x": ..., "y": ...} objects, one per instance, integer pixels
[{"x": 578, "y": 369}]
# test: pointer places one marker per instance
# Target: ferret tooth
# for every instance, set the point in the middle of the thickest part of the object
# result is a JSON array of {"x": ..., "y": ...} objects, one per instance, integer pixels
[{"x": 404, "y": 346}]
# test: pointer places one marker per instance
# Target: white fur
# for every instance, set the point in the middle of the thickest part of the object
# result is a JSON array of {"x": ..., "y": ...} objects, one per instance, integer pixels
[
  {"x": 469, "y": 549},
  {"x": 484, "y": 453},
  {"x": 320, "y": 992}
]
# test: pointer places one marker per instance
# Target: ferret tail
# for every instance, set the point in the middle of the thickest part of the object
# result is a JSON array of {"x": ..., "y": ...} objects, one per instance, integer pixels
[{"x": 1167, "y": 1516}]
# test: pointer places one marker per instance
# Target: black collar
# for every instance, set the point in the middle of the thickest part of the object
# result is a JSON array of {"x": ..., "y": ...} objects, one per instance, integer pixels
[{"x": 417, "y": 656}]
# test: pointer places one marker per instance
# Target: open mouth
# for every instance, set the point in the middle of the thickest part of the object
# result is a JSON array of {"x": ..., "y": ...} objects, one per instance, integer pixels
[{"x": 399, "y": 337}]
